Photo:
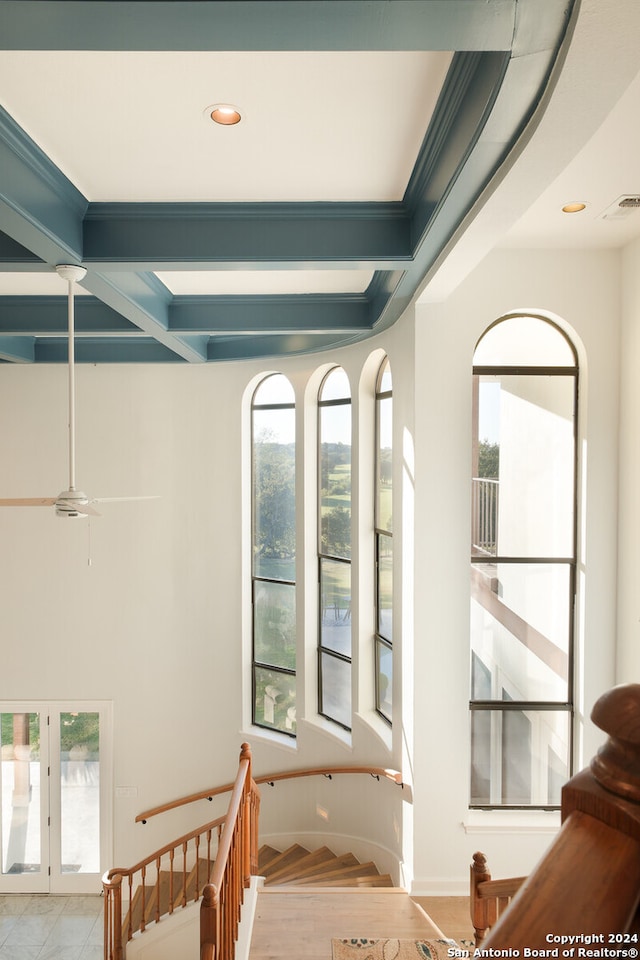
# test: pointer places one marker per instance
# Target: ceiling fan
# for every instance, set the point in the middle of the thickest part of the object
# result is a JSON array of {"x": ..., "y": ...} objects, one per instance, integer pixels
[{"x": 71, "y": 503}]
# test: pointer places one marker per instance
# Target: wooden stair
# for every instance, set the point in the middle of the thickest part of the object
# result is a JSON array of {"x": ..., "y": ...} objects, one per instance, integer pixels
[{"x": 319, "y": 868}]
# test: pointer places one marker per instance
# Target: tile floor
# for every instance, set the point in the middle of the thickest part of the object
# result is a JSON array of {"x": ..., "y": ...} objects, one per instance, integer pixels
[{"x": 51, "y": 928}]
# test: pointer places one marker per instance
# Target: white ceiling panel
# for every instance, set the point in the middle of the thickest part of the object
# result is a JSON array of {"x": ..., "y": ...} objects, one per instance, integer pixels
[
  {"x": 129, "y": 126},
  {"x": 264, "y": 282}
]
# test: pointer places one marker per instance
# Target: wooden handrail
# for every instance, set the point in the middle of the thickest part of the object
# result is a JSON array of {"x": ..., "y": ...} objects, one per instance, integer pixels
[
  {"x": 588, "y": 882},
  {"x": 394, "y": 775},
  {"x": 223, "y": 897}
]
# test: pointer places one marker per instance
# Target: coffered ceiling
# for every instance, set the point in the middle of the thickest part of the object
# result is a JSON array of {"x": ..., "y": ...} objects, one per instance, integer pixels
[{"x": 368, "y": 131}]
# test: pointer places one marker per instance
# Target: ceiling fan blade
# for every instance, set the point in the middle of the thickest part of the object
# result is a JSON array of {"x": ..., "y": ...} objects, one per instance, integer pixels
[
  {"x": 27, "y": 501},
  {"x": 84, "y": 508}
]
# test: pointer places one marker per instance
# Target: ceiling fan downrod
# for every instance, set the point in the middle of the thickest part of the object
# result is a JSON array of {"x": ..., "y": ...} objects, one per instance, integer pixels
[{"x": 72, "y": 274}]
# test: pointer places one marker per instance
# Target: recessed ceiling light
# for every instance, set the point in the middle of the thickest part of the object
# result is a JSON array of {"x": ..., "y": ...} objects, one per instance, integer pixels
[
  {"x": 224, "y": 113},
  {"x": 576, "y": 206}
]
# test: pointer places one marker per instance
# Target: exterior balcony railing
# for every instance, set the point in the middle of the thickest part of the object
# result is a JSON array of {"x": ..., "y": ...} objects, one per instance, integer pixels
[{"x": 484, "y": 516}]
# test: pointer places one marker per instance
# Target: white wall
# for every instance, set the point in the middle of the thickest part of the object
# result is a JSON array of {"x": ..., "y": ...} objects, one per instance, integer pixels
[
  {"x": 628, "y": 662},
  {"x": 582, "y": 291},
  {"x": 156, "y": 623}
]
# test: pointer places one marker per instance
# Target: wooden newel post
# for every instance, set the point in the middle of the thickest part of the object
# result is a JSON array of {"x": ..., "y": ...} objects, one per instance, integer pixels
[
  {"x": 616, "y": 766},
  {"x": 209, "y": 921},
  {"x": 245, "y": 754},
  {"x": 588, "y": 881},
  {"x": 483, "y": 912},
  {"x": 610, "y": 788}
]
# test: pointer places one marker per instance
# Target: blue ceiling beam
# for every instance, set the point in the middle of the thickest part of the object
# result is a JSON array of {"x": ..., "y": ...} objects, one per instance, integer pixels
[
  {"x": 187, "y": 236},
  {"x": 16, "y": 258},
  {"x": 243, "y": 316},
  {"x": 109, "y": 350},
  {"x": 286, "y": 345},
  {"x": 143, "y": 300},
  {"x": 40, "y": 209},
  {"x": 506, "y": 54},
  {"x": 17, "y": 349},
  {"x": 259, "y": 25},
  {"x": 47, "y": 317}
]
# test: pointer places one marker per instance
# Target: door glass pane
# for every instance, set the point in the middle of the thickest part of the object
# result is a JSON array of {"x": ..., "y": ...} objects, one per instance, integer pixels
[
  {"x": 80, "y": 792},
  {"x": 21, "y": 848}
]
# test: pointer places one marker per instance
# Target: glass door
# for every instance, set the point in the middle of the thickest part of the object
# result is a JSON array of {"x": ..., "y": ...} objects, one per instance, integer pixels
[
  {"x": 56, "y": 810},
  {"x": 24, "y": 819}
]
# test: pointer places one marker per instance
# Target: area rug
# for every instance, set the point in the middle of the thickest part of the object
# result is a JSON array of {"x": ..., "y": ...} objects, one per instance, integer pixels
[{"x": 392, "y": 949}]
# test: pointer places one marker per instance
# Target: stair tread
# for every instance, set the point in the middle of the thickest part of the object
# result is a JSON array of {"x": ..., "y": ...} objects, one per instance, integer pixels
[
  {"x": 316, "y": 871},
  {"x": 303, "y": 865},
  {"x": 376, "y": 880},
  {"x": 265, "y": 855},
  {"x": 288, "y": 856},
  {"x": 355, "y": 870}
]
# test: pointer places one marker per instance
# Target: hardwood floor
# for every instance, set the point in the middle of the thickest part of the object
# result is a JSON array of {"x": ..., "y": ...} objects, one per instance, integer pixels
[
  {"x": 291, "y": 923},
  {"x": 451, "y": 914}
]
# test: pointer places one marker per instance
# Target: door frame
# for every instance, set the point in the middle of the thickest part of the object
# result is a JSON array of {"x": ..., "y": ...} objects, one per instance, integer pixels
[{"x": 50, "y": 879}]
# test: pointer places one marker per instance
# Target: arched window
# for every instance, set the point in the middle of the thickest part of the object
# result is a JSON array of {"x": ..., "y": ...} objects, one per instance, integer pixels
[
  {"x": 274, "y": 555},
  {"x": 523, "y": 563},
  {"x": 334, "y": 553},
  {"x": 384, "y": 543}
]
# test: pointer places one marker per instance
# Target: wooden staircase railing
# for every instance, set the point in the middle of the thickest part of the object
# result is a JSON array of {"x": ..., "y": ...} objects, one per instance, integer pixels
[
  {"x": 212, "y": 862},
  {"x": 189, "y": 869},
  {"x": 237, "y": 859},
  {"x": 586, "y": 889},
  {"x": 488, "y": 898}
]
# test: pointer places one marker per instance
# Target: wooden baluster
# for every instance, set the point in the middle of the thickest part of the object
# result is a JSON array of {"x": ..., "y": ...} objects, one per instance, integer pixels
[
  {"x": 143, "y": 876},
  {"x": 157, "y": 889},
  {"x": 130, "y": 924},
  {"x": 245, "y": 753},
  {"x": 172, "y": 854},
  {"x": 196, "y": 893},
  {"x": 255, "y": 820},
  {"x": 184, "y": 874}
]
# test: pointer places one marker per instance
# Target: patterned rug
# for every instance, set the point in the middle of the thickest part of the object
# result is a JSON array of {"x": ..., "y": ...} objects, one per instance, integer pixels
[{"x": 391, "y": 949}]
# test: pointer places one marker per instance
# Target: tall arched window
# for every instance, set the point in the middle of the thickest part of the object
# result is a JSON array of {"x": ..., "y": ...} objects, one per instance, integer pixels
[
  {"x": 334, "y": 553},
  {"x": 274, "y": 555},
  {"x": 384, "y": 543},
  {"x": 523, "y": 563}
]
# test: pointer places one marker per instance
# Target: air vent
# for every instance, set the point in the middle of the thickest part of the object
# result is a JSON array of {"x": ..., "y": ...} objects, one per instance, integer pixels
[{"x": 622, "y": 208}]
